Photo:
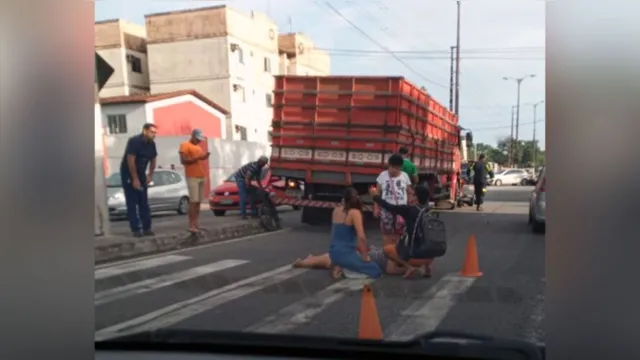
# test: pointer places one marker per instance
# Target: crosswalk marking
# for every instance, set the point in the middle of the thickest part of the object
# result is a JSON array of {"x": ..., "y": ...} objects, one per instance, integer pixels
[
  {"x": 303, "y": 311},
  {"x": 162, "y": 281},
  {"x": 106, "y": 272},
  {"x": 425, "y": 315},
  {"x": 185, "y": 309}
]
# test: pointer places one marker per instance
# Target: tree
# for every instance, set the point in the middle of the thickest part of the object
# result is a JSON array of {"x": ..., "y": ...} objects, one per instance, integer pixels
[{"x": 500, "y": 153}]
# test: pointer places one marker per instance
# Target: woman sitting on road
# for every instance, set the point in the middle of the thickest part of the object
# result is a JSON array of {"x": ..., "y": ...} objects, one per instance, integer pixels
[
  {"x": 376, "y": 255},
  {"x": 348, "y": 249}
]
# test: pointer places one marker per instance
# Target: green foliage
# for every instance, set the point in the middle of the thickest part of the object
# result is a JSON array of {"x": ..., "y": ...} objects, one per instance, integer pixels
[{"x": 500, "y": 153}]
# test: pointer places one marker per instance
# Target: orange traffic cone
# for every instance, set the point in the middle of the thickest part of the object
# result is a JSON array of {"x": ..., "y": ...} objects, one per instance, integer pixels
[
  {"x": 470, "y": 267},
  {"x": 369, "y": 326}
]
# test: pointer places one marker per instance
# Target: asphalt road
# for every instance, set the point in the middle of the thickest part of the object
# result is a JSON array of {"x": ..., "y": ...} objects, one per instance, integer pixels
[{"x": 248, "y": 285}]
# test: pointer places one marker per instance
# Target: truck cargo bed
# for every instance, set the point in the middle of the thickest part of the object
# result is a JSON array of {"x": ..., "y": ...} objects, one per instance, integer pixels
[{"x": 342, "y": 129}]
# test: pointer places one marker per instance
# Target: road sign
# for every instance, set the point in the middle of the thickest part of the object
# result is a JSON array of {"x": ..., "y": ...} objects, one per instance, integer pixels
[{"x": 103, "y": 71}]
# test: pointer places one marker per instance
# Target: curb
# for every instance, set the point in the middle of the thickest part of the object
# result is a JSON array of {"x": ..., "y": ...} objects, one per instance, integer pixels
[{"x": 130, "y": 247}]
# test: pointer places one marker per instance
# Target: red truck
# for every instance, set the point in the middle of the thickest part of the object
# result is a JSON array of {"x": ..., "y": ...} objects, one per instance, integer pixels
[{"x": 330, "y": 132}]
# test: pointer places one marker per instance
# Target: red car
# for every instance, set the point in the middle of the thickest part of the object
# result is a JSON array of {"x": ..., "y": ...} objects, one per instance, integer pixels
[{"x": 225, "y": 196}]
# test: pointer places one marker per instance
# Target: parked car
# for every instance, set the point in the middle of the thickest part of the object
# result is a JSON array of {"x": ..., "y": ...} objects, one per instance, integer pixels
[
  {"x": 167, "y": 192},
  {"x": 509, "y": 177},
  {"x": 538, "y": 205},
  {"x": 225, "y": 196}
]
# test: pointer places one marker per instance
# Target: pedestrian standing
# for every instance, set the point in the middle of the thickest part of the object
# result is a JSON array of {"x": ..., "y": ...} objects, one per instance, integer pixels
[
  {"x": 194, "y": 159},
  {"x": 408, "y": 166},
  {"x": 394, "y": 186},
  {"x": 139, "y": 155},
  {"x": 243, "y": 177}
]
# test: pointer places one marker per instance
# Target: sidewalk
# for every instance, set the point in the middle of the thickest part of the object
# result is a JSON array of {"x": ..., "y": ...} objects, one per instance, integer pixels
[{"x": 171, "y": 234}]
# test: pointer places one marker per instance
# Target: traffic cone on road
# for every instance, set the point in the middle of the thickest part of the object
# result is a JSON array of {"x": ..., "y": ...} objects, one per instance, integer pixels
[
  {"x": 369, "y": 325},
  {"x": 470, "y": 267}
]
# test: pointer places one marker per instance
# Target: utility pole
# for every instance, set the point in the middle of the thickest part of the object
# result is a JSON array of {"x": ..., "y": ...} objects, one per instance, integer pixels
[
  {"x": 457, "y": 98},
  {"x": 101, "y": 210},
  {"x": 451, "y": 77},
  {"x": 513, "y": 118},
  {"x": 519, "y": 82},
  {"x": 535, "y": 119}
]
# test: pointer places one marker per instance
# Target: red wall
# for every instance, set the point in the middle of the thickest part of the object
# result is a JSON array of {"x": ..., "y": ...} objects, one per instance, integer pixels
[{"x": 180, "y": 119}]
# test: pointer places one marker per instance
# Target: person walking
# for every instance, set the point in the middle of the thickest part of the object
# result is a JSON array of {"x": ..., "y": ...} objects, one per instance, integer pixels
[
  {"x": 243, "y": 178},
  {"x": 480, "y": 172},
  {"x": 139, "y": 154},
  {"x": 194, "y": 158}
]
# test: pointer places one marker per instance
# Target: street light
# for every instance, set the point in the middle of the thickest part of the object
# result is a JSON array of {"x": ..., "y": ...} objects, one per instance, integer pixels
[
  {"x": 535, "y": 119},
  {"x": 519, "y": 82}
]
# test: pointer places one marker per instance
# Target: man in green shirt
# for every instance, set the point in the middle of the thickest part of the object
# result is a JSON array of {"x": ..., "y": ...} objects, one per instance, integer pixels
[{"x": 407, "y": 166}]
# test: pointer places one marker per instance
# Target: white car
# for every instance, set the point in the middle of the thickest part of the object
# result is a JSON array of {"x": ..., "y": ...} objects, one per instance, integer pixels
[
  {"x": 510, "y": 177},
  {"x": 538, "y": 205},
  {"x": 167, "y": 192}
]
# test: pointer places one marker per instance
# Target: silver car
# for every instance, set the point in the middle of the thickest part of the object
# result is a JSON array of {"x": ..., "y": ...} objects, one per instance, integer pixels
[
  {"x": 538, "y": 205},
  {"x": 167, "y": 192}
]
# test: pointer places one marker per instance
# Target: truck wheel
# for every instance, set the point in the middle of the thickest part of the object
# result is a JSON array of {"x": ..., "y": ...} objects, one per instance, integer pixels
[{"x": 309, "y": 215}]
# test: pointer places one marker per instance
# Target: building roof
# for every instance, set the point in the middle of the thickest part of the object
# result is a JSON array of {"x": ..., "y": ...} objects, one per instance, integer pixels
[{"x": 162, "y": 96}]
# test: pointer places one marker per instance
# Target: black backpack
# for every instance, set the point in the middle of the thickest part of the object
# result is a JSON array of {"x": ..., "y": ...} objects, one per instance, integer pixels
[{"x": 429, "y": 237}]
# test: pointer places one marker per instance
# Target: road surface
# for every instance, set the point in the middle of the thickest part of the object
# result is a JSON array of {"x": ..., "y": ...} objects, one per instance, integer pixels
[{"x": 248, "y": 285}]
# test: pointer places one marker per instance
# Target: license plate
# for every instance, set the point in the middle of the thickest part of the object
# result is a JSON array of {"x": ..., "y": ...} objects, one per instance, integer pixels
[
  {"x": 293, "y": 193},
  {"x": 226, "y": 202}
]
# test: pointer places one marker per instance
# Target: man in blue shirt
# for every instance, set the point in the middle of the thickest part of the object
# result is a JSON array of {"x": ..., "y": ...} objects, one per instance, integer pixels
[
  {"x": 243, "y": 177},
  {"x": 139, "y": 154}
]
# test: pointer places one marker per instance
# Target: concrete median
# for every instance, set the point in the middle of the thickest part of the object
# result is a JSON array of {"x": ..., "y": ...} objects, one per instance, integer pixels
[{"x": 118, "y": 247}]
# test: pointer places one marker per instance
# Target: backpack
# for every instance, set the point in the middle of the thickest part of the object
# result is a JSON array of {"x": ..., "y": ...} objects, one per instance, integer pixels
[{"x": 429, "y": 237}]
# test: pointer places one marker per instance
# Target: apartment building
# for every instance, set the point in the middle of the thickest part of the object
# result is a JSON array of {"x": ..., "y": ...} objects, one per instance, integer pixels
[
  {"x": 298, "y": 56},
  {"x": 227, "y": 56},
  {"x": 124, "y": 46}
]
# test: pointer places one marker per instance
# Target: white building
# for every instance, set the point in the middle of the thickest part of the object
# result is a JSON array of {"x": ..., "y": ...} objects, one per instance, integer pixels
[
  {"x": 223, "y": 54},
  {"x": 124, "y": 46},
  {"x": 299, "y": 56}
]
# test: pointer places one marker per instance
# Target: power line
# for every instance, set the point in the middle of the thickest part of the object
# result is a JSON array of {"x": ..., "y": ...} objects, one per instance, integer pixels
[
  {"x": 505, "y": 127},
  {"x": 477, "y": 50},
  {"x": 364, "y": 33},
  {"x": 426, "y": 57}
]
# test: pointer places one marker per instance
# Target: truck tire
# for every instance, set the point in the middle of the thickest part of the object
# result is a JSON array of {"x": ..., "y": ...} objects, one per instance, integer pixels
[{"x": 309, "y": 215}]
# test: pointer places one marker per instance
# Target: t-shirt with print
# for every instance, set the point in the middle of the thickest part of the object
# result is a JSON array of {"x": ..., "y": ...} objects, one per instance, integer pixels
[{"x": 394, "y": 190}]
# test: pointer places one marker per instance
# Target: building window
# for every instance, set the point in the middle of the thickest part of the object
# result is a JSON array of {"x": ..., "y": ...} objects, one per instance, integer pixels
[
  {"x": 267, "y": 65},
  {"x": 269, "y": 99},
  {"x": 116, "y": 124},
  {"x": 136, "y": 63},
  {"x": 240, "y": 56}
]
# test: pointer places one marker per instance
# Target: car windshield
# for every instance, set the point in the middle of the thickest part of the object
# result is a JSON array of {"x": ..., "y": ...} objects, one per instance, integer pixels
[
  {"x": 114, "y": 180},
  {"x": 331, "y": 112}
]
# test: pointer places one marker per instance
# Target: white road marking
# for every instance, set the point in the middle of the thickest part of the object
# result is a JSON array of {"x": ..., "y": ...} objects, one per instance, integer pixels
[
  {"x": 193, "y": 248},
  {"x": 303, "y": 311},
  {"x": 185, "y": 309},
  {"x": 425, "y": 315},
  {"x": 162, "y": 281},
  {"x": 124, "y": 268}
]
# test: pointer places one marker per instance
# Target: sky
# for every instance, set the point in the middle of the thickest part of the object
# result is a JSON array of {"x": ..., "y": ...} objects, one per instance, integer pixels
[{"x": 412, "y": 38}]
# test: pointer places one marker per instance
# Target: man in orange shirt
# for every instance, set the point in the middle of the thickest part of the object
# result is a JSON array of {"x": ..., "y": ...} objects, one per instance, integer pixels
[{"x": 193, "y": 159}]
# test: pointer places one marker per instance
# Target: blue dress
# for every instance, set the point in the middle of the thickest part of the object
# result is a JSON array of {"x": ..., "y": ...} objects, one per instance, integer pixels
[{"x": 343, "y": 253}]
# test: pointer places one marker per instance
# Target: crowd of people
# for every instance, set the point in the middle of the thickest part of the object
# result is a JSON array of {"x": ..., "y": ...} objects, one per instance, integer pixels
[
  {"x": 139, "y": 163},
  {"x": 405, "y": 249},
  {"x": 405, "y": 244}
]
